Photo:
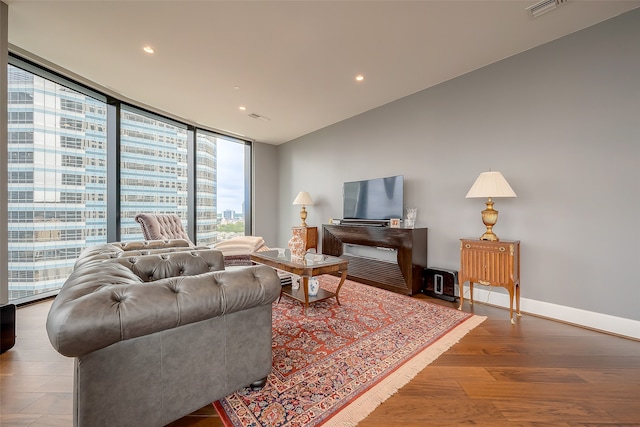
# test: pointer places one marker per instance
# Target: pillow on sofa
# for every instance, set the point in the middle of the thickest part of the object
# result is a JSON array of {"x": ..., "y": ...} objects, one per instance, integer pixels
[{"x": 240, "y": 245}]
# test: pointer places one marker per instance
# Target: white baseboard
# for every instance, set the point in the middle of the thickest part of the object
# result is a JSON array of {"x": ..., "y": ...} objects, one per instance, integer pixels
[{"x": 589, "y": 319}]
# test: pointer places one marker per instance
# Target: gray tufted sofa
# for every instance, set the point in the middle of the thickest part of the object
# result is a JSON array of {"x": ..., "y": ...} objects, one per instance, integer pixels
[{"x": 159, "y": 329}]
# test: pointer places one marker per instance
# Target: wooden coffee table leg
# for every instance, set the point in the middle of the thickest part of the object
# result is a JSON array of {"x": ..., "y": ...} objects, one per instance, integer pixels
[
  {"x": 305, "y": 288},
  {"x": 342, "y": 278}
]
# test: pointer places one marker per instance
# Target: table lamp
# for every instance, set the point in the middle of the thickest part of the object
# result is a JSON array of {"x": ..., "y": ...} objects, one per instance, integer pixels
[
  {"x": 303, "y": 198},
  {"x": 490, "y": 184}
]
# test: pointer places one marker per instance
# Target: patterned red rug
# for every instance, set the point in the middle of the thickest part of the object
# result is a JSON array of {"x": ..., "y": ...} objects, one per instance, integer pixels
[{"x": 337, "y": 363}]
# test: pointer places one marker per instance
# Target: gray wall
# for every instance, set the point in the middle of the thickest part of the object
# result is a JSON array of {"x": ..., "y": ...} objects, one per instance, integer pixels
[
  {"x": 561, "y": 122},
  {"x": 265, "y": 192}
]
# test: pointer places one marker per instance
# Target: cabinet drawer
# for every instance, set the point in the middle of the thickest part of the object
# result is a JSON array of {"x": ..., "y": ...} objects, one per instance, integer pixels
[{"x": 487, "y": 246}]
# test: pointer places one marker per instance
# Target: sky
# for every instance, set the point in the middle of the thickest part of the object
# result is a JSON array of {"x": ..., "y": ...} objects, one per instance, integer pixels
[{"x": 230, "y": 175}]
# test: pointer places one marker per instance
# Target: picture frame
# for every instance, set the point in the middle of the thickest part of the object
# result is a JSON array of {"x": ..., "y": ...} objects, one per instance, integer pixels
[{"x": 394, "y": 223}]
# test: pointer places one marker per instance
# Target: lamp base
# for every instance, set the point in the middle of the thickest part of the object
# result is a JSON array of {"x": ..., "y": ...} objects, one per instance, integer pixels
[
  {"x": 489, "y": 219},
  {"x": 303, "y": 217},
  {"x": 489, "y": 235}
]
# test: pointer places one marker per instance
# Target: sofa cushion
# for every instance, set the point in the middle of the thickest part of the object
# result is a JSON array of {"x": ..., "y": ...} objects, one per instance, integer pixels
[{"x": 173, "y": 264}]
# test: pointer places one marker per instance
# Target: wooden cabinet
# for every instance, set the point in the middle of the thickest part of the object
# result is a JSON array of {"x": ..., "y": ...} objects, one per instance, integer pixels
[
  {"x": 310, "y": 237},
  {"x": 404, "y": 275},
  {"x": 491, "y": 263}
]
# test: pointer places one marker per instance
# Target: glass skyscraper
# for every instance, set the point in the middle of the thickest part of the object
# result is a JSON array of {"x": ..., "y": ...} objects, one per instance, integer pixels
[{"x": 56, "y": 183}]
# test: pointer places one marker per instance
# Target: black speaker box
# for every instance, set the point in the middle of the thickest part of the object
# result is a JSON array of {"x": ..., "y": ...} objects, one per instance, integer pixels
[
  {"x": 441, "y": 283},
  {"x": 7, "y": 327}
]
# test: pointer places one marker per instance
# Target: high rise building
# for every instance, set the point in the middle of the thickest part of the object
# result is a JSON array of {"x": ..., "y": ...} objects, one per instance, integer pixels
[{"x": 57, "y": 180}]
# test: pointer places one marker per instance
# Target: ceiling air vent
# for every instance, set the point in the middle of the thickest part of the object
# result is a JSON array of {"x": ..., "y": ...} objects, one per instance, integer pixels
[
  {"x": 259, "y": 117},
  {"x": 544, "y": 6}
]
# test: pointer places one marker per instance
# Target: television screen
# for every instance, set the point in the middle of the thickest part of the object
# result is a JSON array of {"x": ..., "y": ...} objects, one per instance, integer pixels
[{"x": 374, "y": 199}]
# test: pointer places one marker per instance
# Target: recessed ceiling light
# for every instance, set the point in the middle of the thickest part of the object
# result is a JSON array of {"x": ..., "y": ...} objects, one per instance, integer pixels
[
  {"x": 243, "y": 108},
  {"x": 359, "y": 78},
  {"x": 236, "y": 87},
  {"x": 148, "y": 49}
]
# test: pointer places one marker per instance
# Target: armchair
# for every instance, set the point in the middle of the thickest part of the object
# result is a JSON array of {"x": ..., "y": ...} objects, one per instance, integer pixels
[
  {"x": 236, "y": 250},
  {"x": 162, "y": 227}
]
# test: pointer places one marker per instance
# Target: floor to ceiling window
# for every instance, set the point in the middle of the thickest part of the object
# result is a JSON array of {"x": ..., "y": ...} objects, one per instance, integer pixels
[
  {"x": 153, "y": 170},
  {"x": 56, "y": 180},
  {"x": 231, "y": 197},
  {"x": 221, "y": 188},
  {"x": 206, "y": 188},
  {"x": 60, "y": 197}
]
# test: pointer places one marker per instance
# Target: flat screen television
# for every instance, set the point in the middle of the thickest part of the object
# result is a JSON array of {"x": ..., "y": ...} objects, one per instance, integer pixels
[{"x": 376, "y": 199}]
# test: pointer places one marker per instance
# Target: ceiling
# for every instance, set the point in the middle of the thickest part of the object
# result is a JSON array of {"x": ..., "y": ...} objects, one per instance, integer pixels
[{"x": 291, "y": 62}]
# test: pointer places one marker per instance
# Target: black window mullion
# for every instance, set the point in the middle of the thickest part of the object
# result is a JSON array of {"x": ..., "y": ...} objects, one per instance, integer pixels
[
  {"x": 113, "y": 170},
  {"x": 248, "y": 208},
  {"x": 191, "y": 184}
]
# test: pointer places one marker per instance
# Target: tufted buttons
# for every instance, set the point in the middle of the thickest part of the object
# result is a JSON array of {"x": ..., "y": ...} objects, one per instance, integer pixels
[
  {"x": 118, "y": 298},
  {"x": 133, "y": 260}
]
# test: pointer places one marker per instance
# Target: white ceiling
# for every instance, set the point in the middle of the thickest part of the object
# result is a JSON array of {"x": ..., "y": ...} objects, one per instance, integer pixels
[{"x": 293, "y": 61}]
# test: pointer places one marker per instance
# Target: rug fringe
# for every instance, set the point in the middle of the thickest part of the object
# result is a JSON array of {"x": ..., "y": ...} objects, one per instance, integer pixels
[{"x": 361, "y": 407}]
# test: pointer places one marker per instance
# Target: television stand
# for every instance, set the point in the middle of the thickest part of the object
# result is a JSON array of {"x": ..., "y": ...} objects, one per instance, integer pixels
[{"x": 403, "y": 275}]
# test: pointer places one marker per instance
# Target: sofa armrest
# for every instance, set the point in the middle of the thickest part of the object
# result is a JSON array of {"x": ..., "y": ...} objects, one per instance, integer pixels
[{"x": 89, "y": 314}]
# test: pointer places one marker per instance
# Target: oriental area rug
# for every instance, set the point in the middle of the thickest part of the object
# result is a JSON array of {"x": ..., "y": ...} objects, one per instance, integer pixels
[{"x": 336, "y": 364}]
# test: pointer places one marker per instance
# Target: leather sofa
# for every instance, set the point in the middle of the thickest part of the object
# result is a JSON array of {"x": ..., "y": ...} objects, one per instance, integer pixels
[{"x": 159, "y": 329}]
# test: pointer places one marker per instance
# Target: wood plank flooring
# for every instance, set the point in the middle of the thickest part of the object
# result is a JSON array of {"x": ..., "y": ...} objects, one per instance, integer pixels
[{"x": 536, "y": 373}]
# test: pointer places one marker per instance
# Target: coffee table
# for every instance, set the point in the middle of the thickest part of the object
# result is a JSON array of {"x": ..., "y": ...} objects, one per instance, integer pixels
[{"x": 310, "y": 266}]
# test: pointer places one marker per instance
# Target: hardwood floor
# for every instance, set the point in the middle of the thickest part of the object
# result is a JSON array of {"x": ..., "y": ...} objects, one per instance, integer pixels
[{"x": 536, "y": 373}]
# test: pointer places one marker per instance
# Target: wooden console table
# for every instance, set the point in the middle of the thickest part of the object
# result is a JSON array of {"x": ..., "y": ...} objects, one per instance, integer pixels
[
  {"x": 403, "y": 276},
  {"x": 491, "y": 263}
]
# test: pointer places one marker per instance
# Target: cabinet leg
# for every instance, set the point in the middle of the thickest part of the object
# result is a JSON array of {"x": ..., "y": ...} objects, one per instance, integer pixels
[
  {"x": 511, "y": 306},
  {"x": 517, "y": 297}
]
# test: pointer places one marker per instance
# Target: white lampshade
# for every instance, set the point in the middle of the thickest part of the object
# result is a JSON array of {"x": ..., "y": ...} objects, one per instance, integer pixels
[
  {"x": 491, "y": 184},
  {"x": 303, "y": 198}
]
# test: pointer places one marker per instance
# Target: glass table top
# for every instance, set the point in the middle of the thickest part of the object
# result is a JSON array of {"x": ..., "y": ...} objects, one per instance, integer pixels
[{"x": 310, "y": 259}]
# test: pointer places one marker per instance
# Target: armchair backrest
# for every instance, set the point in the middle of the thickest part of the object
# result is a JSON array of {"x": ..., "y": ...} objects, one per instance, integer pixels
[{"x": 162, "y": 227}]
